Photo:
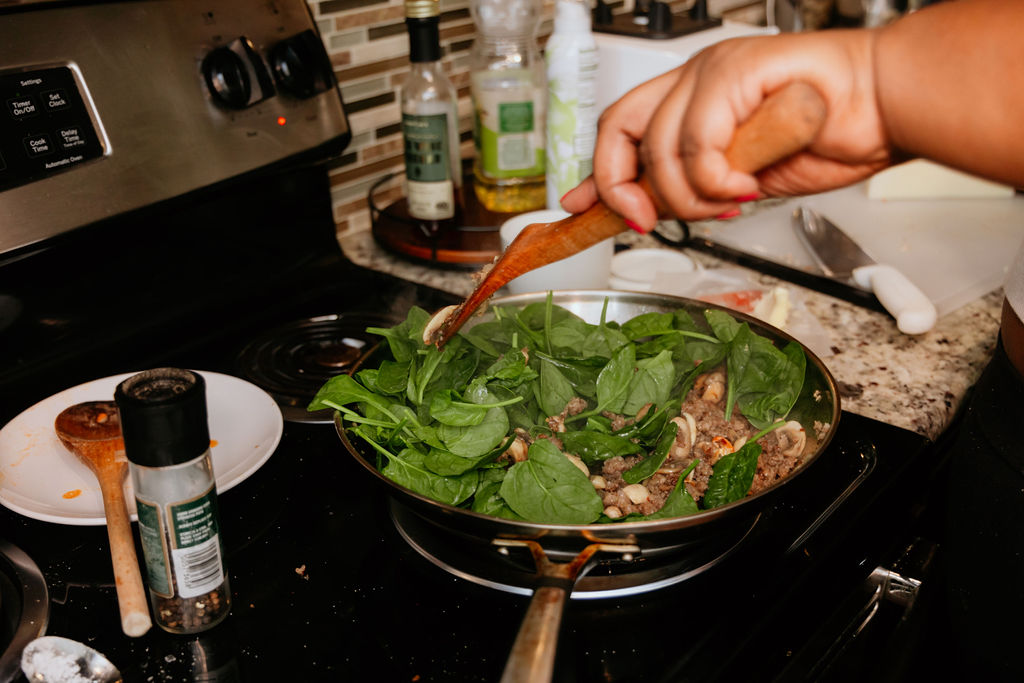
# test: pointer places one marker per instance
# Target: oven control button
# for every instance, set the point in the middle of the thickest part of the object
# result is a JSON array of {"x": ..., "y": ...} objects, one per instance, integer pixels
[
  {"x": 301, "y": 65},
  {"x": 236, "y": 75},
  {"x": 37, "y": 145},
  {"x": 55, "y": 100},
  {"x": 71, "y": 137},
  {"x": 22, "y": 107}
]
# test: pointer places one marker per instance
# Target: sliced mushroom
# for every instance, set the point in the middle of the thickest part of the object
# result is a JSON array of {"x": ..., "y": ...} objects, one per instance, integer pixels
[
  {"x": 517, "y": 451},
  {"x": 434, "y": 324},
  {"x": 685, "y": 436},
  {"x": 580, "y": 465},
  {"x": 792, "y": 438},
  {"x": 637, "y": 493},
  {"x": 612, "y": 512},
  {"x": 599, "y": 482},
  {"x": 711, "y": 387}
]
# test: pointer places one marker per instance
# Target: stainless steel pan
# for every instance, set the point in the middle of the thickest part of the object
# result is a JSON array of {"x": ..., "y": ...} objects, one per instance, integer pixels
[{"x": 532, "y": 657}]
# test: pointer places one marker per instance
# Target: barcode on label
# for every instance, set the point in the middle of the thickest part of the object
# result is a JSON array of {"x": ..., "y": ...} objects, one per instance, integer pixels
[{"x": 199, "y": 568}]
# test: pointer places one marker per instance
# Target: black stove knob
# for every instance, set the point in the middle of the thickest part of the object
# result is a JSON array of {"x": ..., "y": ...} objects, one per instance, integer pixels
[
  {"x": 227, "y": 78},
  {"x": 301, "y": 65}
]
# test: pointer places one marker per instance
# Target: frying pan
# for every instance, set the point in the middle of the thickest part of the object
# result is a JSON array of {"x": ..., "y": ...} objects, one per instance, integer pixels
[{"x": 532, "y": 658}]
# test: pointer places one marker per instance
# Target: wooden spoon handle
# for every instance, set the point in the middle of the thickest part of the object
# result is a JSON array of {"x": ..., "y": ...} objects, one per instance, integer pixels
[
  {"x": 131, "y": 594},
  {"x": 786, "y": 122}
]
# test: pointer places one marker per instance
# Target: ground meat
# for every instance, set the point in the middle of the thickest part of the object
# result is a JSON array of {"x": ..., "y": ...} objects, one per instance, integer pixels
[
  {"x": 772, "y": 465},
  {"x": 710, "y": 421},
  {"x": 575, "y": 406}
]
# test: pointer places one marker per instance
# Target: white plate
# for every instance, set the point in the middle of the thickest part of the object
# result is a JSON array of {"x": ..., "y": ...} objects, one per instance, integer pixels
[{"x": 37, "y": 471}]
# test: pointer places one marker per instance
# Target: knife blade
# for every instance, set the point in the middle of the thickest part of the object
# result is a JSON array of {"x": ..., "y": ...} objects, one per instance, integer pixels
[{"x": 840, "y": 258}]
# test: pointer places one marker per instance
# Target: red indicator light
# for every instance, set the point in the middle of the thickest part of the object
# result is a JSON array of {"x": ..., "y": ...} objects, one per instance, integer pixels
[{"x": 281, "y": 120}]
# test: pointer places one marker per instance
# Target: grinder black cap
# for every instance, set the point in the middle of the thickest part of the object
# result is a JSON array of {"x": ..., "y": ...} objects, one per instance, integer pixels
[{"x": 163, "y": 416}]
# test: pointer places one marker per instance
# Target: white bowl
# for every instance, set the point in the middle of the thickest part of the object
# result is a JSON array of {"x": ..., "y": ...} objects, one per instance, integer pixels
[{"x": 637, "y": 269}]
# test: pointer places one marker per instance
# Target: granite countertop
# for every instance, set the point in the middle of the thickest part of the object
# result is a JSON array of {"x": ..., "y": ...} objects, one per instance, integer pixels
[{"x": 916, "y": 383}]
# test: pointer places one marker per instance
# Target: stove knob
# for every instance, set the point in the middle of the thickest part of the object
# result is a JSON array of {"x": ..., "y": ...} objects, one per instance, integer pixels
[
  {"x": 227, "y": 78},
  {"x": 301, "y": 65}
]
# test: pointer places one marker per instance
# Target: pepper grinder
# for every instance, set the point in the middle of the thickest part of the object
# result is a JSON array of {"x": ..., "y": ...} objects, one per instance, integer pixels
[{"x": 167, "y": 441}]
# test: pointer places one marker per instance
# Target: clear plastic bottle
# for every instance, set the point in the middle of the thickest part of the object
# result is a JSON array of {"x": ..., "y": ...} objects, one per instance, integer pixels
[
  {"x": 571, "y": 57},
  {"x": 509, "y": 90},
  {"x": 430, "y": 124},
  {"x": 167, "y": 441}
]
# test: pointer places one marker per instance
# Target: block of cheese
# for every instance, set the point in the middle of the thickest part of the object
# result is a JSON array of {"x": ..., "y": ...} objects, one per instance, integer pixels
[{"x": 922, "y": 179}]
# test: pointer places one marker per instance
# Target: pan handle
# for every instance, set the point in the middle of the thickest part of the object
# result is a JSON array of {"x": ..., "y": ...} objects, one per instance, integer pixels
[
  {"x": 532, "y": 659},
  {"x": 533, "y": 654}
]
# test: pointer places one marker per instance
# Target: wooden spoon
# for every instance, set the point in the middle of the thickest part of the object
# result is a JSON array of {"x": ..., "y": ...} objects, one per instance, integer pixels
[
  {"x": 92, "y": 431},
  {"x": 786, "y": 122}
]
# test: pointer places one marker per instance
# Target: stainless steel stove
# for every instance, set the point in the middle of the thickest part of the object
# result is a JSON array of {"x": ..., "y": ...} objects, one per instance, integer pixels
[{"x": 164, "y": 200}]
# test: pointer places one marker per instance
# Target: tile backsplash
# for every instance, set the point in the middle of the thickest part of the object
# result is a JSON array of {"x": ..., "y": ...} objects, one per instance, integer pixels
[{"x": 369, "y": 48}]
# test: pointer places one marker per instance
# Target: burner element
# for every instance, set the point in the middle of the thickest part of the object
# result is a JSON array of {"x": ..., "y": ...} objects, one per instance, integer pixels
[
  {"x": 339, "y": 355},
  {"x": 293, "y": 361}
]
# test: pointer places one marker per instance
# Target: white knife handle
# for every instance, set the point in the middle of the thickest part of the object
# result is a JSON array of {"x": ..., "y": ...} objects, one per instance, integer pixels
[{"x": 914, "y": 312}]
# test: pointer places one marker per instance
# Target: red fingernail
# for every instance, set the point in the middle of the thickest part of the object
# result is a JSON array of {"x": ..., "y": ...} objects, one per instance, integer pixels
[
  {"x": 732, "y": 213},
  {"x": 747, "y": 198},
  {"x": 564, "y": 196},
  {"x": 637, "y": 228}
]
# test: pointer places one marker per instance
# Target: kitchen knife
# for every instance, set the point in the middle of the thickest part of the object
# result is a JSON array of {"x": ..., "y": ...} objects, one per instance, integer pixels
[{"x": 840, "y": 258}]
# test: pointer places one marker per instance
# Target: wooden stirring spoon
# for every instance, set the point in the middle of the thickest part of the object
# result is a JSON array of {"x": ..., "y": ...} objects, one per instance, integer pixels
[
  {"x": 785, "y": 123},
  {"x": 92, "y": 431}
]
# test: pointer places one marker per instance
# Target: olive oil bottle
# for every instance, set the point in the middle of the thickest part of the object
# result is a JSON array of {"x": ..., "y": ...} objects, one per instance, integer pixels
[{"x": 508, "y": 84}]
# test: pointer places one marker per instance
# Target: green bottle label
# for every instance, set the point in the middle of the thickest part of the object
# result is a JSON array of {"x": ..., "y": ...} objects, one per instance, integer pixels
[
  {"x": 429, "y": 186},
  {"x": 426, "y": 147},
  {"x": 154, "y": 550},
  {"x": 508, "y": 123}
]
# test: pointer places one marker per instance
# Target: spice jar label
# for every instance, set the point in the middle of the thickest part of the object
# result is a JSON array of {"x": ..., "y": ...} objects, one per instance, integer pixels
[
  {"x": 196, "y": 551},
  {"x": 154, "y": 549}
]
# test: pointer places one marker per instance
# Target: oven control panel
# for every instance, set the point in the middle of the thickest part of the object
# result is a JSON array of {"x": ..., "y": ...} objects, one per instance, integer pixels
[
  {"x": 148, "y": 101},
  {"x": 46, "y": 126}
]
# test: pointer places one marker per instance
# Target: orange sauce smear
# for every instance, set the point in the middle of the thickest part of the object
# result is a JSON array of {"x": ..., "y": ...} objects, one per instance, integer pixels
[{"x": 73, "y": 493}]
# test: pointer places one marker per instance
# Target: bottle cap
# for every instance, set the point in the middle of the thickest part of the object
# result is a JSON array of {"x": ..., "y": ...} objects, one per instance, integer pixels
[
  {"x": 422, "y": 9},
  {"x": 163, "y": 416}
]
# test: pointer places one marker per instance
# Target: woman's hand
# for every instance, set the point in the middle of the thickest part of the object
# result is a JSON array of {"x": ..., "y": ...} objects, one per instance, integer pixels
[{"x": 677, "y": 127}]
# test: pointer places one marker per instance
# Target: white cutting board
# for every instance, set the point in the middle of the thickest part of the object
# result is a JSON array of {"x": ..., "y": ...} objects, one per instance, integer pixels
[{"x": 955, "y": 250}]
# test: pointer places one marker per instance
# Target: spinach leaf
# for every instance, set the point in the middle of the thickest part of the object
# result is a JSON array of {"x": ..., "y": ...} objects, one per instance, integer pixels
[
  {"x": 651, "y": 384},
  {"x": 613, "y": 381},
  {"x": 488, "y": 500},
  {"x": 523, "y": 413},
  {"x": 511, "y": 369},
  {"x": 343, "y": 389},
  {"x": 478, "y": 439},
  {"x": 732, "y": 476},
  {"x": 446, "y": 408},
  {"x": 569, "y": 334},
  {"x": 547, "y": 488},
  {"x": 449, "y": 464},
  {"x": 765, "y": 403},
  {"x": 408, "y": 469},
  {"x": 722, "y": 324},
  {"x": 405, "y": 338},
  {"x": 555, "y": 390},
  {"x": 581, "y": 372},
  {"x": 762, "y": 378},
  {"x": 392, "y": 377},
  {"x": 649, "y": 465},
  {"x": 648, "y": 325},
  {"x": 593, "y": 446}
]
